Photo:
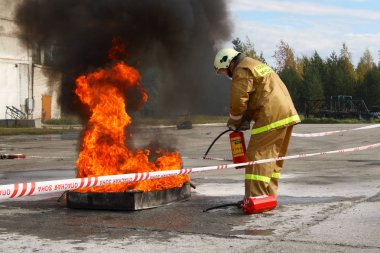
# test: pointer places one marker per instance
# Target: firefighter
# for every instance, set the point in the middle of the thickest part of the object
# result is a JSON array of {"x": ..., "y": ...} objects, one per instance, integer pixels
[{"x": 257, "y": 94}]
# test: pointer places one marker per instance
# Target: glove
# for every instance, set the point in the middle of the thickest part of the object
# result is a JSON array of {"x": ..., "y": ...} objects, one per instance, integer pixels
[
  {"x": 232, "y": 124},
  {"x": 244, "y": 125},
  {"x": 231, "y": 127},
  {"x": 241, "y": 125},
  {"x": 246, "y": 121}
]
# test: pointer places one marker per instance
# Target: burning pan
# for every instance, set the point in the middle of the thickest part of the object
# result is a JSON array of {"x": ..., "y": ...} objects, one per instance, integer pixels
[{"x": 127, "y": 201}]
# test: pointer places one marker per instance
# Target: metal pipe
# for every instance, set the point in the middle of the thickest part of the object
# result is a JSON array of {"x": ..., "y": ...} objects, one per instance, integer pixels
[{"x": 30, "y": 100}]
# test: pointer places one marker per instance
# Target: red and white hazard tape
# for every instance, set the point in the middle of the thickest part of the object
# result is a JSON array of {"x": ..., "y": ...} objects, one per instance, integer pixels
[
  {"x": 334, "y": 132},
  {"x": 12, "y": 191}
]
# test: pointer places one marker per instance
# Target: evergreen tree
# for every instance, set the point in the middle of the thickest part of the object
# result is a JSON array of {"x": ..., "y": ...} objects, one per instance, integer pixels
[
  {"x": 248, "y": 48},
  {"x": 312, "y": 88},
  {"x": 238, "y": 44},
  {"x": 331, "y": 73},
  {"x": 371, "y": 87},
  {"x": 341, "y": 75},
  {"x": 346, "y": 75},
  {"x": 293, "y": 82},
  {"x": 261, "y": 58},
  {"x": 321, "y": 66}
]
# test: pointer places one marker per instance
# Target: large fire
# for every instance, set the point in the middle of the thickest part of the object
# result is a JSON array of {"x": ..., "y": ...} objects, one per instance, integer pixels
[{"x": 103, "y": 146}]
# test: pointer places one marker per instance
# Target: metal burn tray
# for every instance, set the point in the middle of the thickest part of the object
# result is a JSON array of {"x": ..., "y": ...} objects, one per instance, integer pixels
[{"x": 126, "y": 201}]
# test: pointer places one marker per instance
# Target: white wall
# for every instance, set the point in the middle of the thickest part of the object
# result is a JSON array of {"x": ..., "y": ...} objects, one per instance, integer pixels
[
  {"x": 14, "y": 71},
  {"x": 8, "y": 8},
  {"x": 9, "y": 87},
  {"x": 15, "y": 63},
  {"x": 11, "y": 48}
]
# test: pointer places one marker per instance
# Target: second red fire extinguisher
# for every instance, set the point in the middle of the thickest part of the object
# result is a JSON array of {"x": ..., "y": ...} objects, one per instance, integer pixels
[{"x": 259, "y": 204}]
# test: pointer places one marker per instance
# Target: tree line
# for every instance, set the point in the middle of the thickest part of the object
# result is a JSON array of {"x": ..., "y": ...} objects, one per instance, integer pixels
[{"x": 315, "y": 78}]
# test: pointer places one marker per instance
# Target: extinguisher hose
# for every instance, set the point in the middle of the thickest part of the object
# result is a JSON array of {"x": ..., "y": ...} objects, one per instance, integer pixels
[
  {"x": 237, "y": 204},
  {"x": 212, "y": 143}
]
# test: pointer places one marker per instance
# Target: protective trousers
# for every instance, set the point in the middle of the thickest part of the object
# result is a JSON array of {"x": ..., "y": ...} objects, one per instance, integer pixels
[{"x": 262, "y": 179}]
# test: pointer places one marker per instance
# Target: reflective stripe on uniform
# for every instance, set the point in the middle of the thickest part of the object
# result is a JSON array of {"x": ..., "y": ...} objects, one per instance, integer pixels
[
  {"x": 238, "y": 117},
  {"x": 276, "y": 175},
  {"x": 265, "y": 179},
  {"x": 276, "y": 124},
  {"x": 257, "y": 178}
]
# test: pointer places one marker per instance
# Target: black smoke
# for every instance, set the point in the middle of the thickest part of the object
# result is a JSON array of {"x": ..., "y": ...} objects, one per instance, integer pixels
[{"x": 172, "y": 43}]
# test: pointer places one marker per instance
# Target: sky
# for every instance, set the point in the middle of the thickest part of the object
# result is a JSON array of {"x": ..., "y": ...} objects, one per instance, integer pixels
[{"x": 306, "y": 25}]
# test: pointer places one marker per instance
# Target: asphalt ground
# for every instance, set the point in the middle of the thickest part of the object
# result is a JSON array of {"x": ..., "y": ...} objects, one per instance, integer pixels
[{"x": 326, "y": 203}]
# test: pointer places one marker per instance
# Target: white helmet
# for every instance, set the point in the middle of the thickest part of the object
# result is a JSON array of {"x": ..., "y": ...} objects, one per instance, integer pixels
[{"x": 224, "y": 57}]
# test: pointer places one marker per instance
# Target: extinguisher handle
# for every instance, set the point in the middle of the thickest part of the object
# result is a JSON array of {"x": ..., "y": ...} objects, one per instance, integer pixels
[{"x": 244, "y": 126}]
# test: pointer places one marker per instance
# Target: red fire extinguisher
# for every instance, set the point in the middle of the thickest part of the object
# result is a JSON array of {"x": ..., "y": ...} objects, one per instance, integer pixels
[
  {"x": 259, "y": 204},
  {"x": 12, "y": 156},
  {"x": 238, "y": 148}
]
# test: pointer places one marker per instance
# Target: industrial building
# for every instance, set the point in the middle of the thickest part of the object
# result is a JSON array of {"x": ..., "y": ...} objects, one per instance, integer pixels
[{"x": 29, "y": 88}]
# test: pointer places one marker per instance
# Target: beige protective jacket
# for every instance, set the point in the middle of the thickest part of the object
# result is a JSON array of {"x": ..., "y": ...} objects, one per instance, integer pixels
[{"x": 258, "y": 94}]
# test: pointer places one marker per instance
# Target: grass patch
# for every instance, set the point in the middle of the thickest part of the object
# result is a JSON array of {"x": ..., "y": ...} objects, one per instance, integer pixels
[
  {"x": 66, "y": 120},
  {"x": 338, "y": 121},
  {"x": 203, "y": 119},
  {"x": 195, "y": 119},
  {"x": 153, "y": 121},
  {"x": 33, "y": 131}
]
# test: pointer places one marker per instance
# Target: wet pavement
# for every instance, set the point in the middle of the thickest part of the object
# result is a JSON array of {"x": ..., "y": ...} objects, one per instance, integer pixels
[{"x": 326, "y": 203}]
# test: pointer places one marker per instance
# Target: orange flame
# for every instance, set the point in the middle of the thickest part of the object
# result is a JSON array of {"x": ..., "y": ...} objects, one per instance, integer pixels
[{"x": 103, "y": 146}]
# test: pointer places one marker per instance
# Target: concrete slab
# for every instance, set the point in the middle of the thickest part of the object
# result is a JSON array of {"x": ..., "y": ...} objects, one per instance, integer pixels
[
  {"x": 356, "y": 226},
  {"x": 326, "y": 203}
]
